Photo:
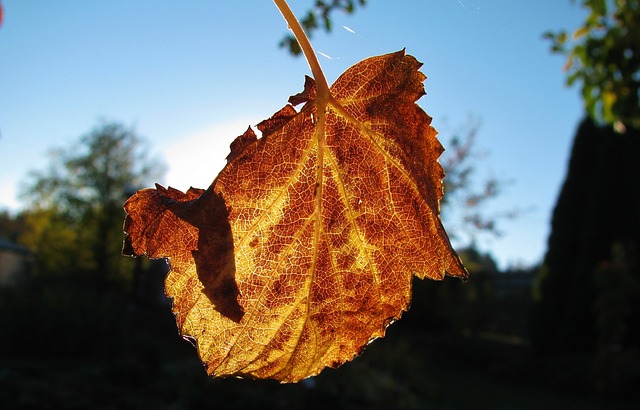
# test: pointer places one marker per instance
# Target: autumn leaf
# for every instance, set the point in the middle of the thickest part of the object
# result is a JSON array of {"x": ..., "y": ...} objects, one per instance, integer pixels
[{"x": 303, "y": 248}]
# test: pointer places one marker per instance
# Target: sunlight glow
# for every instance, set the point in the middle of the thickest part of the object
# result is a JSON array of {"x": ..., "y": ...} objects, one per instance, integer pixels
[{"x": 196, "y": 159}]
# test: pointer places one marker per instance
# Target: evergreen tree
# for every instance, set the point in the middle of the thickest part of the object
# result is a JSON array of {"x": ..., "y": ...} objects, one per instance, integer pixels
[{"x": 597, "y": 214}]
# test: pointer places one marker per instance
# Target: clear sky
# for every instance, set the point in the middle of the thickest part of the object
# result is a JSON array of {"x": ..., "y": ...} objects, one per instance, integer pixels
[{"x": 192, "y": 75}]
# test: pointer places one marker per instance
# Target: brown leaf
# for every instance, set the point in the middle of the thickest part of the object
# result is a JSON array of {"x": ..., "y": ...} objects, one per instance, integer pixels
[{"x": 303, "y": 248}]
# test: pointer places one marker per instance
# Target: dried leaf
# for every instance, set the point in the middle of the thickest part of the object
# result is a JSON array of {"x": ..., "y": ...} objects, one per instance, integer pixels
[{"x": 303, "y": 248}]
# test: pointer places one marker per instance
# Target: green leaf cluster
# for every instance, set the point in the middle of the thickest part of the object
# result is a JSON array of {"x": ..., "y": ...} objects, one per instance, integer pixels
[
  {"x": 319, "y": 17},
  {"x": 603, "y": 56}
]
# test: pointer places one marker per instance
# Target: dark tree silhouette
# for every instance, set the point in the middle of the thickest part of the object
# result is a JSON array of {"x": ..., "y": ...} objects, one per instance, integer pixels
[{"x": 595, "y": 229}]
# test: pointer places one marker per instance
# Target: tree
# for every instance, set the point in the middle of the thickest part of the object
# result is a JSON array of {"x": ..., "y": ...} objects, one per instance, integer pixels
[
  {"x": 597, "y": 214},
  {"x": 593, "y": 248},
  {"x": 604, "y": 56},
  {"x": 587, "y": 291},
  {"x": 463, "y": 205},
  {"x": 75, "y": 209}
]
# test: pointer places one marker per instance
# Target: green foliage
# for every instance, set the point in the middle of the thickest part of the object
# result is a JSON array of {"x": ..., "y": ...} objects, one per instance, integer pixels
[
  {"x": 603, "y": 55},
  {"x": 319, "y": 17},
  {"x": 75, "y": 215},
  {"x": 57, "y": 242}
]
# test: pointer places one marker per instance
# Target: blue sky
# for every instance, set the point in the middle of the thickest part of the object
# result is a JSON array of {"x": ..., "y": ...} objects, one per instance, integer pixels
[{"x": 192, "y": 75}]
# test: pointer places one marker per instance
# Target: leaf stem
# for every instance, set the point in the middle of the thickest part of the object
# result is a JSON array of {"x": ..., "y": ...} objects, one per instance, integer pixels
[{"x": 322, "y": 88}]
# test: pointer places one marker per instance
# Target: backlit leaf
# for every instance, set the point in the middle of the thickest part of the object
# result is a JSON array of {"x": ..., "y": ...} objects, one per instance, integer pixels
[{"x": 304, "y": 247}]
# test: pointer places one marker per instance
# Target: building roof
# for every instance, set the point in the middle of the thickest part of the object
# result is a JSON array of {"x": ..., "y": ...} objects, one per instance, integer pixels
[{"x": 7, "y": 245}]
